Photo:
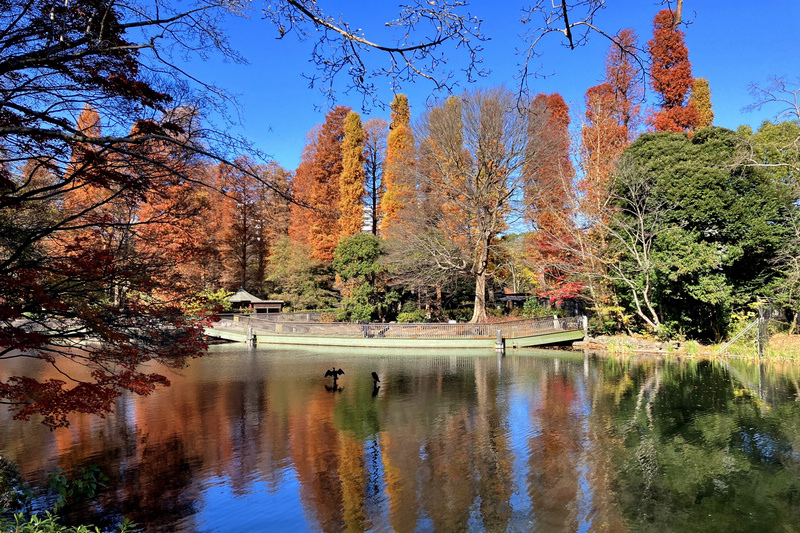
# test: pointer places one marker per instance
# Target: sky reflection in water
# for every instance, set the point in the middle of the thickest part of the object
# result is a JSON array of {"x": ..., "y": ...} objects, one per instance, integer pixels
[{"x": 250, "y": 440}]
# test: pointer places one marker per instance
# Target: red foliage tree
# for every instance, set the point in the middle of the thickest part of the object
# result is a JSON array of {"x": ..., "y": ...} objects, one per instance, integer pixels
[
  {"x": 548, "y": 183},
  {"x": 603, "y": 138},
  {"x": 314, "y": 219},
  {"x": 671, "y": 75},
  {"x": 70, "y": 192},
  {"x": 243, "y": 225},
  {"x": 253, "y": 217}
]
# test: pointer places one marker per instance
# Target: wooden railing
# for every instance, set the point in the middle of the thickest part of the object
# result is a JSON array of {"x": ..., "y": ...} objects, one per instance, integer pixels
[
  {"x": 508, "y": 330},
  {"x": 307, "y": 316}
]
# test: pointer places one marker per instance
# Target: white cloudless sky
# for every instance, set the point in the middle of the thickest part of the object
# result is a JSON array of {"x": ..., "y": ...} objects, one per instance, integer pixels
[{"x": 732, "y": 43}]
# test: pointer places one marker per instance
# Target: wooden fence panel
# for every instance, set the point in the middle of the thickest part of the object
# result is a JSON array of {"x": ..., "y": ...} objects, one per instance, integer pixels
[{"x": 509, "y": 330}]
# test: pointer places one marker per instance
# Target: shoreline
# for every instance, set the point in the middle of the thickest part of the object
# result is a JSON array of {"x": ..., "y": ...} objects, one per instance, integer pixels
[{"x": 782, "y": 347}]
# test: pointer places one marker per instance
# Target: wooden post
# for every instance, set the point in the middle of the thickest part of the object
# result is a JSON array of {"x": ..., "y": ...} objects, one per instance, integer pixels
[
  {"x": 500, "y": 345},
  {"x": 762, "y": 331}
]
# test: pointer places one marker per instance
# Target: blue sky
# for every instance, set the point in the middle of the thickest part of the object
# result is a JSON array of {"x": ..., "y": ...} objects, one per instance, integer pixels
[{"x": 732, "y": 43}]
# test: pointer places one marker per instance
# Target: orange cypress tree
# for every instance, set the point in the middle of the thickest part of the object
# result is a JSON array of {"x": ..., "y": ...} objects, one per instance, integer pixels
[
  {"x": 399, "y": 185},
  {"x": 316, "y": 184},
  {"x": 611, "y": 121},
  {"x": 243, "y": 227},
  {"x": 548, "y": 179},
  {"x": 671, "y": 75},
  {"x": 603, "y": 139},
  {"x": 100, "y": 204},
  {"x": 351, "y": 180},
  {"x": 548, "y": 174},
  {"x": 302, "y": 186}
]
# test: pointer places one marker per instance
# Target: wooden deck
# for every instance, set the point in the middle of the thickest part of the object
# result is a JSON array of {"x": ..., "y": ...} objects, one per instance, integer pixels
[{"x": 517, "y": 333}]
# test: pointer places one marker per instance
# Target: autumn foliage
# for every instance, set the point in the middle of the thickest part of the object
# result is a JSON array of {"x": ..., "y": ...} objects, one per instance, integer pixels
[
  {"x": 397, "y": 176},
  {"x": 315, "y": 215},
  {"x": 549, "y": 176},
  {"x": 96, "y": 203},
  {"x": 603, "y": 138},
  {"x": 671, "y": 75},
  {"x": 351, "y": 180},
  {"x": 625, "y": 77},
  {"x": 701, "y": 100},
  {"x": 118, "y": 203}
]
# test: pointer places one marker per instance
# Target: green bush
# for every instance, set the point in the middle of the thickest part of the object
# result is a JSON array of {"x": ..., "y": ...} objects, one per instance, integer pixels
[
  {"x": 497, "y": 313},
  {"x": 692, "y": 348},
  {"x": 208, "y": 301},
  {"x": 85, "y": 486},
  {"x": 533, "y": 309},
  {"x": 48, "y": 523},
  {"x": 462, "y": 314},
  {"x": 411, "y": 317},
  {"x": 598, "y": 326},
  {"x": 14, "y": 494}
]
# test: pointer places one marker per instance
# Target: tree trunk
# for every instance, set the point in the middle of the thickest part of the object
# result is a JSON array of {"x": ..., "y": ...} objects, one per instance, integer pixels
[
  {"x": 479, "y": 310},
  {"x": 481, "y": 264}
]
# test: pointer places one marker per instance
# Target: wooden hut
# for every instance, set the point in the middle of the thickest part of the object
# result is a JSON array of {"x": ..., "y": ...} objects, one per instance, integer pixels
[{"x": 243, "y": 300}]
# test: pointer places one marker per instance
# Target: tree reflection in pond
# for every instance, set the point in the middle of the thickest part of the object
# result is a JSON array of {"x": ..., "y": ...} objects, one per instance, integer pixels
[{"x": 536, "y": 441}]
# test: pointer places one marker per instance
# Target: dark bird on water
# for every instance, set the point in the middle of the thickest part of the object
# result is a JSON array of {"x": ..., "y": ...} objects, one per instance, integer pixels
[
  {"x": 375, "y": 377},
  {"x": 335, "y": 373}
]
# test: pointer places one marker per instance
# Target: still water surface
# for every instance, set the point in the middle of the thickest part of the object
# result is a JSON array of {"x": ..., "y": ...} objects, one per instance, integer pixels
[{"x": 257, "y": 440}]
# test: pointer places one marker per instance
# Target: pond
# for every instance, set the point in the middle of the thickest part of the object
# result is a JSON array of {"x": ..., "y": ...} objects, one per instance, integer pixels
[{"x": 258, "y": 440}]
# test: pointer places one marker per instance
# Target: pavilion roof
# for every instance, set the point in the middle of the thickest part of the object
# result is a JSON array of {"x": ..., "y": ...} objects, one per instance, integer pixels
[{"x": 243, "y": 296}]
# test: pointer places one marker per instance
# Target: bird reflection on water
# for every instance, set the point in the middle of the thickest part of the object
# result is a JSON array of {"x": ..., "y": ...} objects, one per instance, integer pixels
[
  {"x": 375, "y": 386},
  {"x": 335, "y": 373}
]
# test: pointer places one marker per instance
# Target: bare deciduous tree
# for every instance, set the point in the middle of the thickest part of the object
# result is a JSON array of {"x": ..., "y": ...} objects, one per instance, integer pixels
[
  {"x": 472, "y": 150},
  {"x": 375, "y": 132}
]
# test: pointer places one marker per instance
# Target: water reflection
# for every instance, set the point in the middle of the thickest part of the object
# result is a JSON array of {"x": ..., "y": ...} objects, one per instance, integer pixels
[{"x": 254, "y": 439}]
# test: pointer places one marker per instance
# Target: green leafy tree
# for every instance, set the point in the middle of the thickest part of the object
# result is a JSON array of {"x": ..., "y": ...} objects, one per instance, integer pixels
[
  {"x": 297, "y": 278},
  {"x": 694, "y": 235},
  {"x": 357, "y": 263},
  {"x": 776, "y": 149}
]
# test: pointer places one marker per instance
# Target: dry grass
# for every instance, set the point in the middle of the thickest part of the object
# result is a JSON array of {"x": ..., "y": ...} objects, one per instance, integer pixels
[
  {"x": 786, "y": 343},
  {"x": 781, "y": 346}
]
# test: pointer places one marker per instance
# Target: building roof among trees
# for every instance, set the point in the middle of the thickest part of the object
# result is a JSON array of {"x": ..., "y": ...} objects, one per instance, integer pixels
[{"x": 242, "y": 296}]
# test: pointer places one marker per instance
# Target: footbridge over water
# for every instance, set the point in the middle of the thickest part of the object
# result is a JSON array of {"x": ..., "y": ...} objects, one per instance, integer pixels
[{"x": 515, "y": 333}]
